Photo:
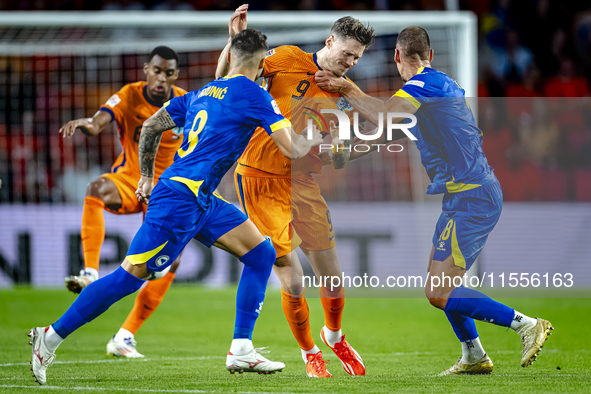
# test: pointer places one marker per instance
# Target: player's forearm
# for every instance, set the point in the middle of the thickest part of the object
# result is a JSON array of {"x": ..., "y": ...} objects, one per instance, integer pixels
[
  {"x": 299, "y": 146},
  {"x": 223, "y": 66},
  {"x": 88, "y": 128},
  {"x": 148, "y": 148},
  {"x": 369, "y": 107},
  {"x": 150, "y": 136},
  {"x": 96, "y": 124}
]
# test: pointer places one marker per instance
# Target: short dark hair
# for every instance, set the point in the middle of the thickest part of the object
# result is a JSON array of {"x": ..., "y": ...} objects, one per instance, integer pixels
[
  {"x": 248, "y": 42},
  {"x": 349, "y": 27},
  {"x": 414, "y": 40},
  {"x": 165, "y": 53}
]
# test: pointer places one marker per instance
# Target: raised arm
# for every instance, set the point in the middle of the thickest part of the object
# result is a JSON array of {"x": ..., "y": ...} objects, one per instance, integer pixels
[
  {"x": 295, "y": 146},
  {"x": 150, "y": 136},
  {"x": 236, "y": 25},
  {"x": 89, "y": 126}
]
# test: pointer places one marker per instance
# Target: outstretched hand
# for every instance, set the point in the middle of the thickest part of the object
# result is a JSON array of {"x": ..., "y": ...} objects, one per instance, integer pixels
[
  {"x": 69, "y": 128},
  {"x": 238, "y": 21}
]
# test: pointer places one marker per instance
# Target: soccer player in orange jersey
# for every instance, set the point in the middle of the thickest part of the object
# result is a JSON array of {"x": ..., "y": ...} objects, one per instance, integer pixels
[
  {"x": 281, "y": 197},
  {"x": 115, "y": 192}
]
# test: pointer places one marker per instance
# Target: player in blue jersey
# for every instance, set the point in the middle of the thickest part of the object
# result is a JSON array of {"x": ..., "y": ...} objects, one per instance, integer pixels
[
  {"x": 218, "y": 122},
  {"x": 450, "y": 144}
]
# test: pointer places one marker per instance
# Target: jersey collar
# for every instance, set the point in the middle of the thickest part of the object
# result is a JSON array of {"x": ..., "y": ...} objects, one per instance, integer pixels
[
  {"x": 234, "y": 76},
  {"x": 153, "y": 102},
  {"x": 314, "y": 57}
]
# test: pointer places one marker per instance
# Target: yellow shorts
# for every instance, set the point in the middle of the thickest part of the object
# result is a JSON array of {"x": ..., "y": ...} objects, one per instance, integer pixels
[
  {"x": 289, "y": 210},
  {"x": 126, "y": 188}
]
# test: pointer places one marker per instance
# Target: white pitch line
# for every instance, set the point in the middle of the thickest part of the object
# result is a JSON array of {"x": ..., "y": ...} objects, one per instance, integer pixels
[
  {"x": 16, "y": 386},
  {"x": 121, "y": 360}
]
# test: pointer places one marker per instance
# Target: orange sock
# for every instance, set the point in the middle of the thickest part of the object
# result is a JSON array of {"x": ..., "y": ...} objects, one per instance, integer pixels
[
  {"x": 297, "y": 313},
  {"x": 333, "y": 303},
  {"x": 93, "y": 231},
  {"x": 147, "y": 301}
]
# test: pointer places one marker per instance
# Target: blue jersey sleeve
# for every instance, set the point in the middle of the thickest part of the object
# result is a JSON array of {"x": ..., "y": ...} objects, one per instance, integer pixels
[
  {"x": 263, "y": 111},
  {"x": 429, "y": 87},
  {"x": 177, "y": 109},
  {"x": 420, "y": 89}
]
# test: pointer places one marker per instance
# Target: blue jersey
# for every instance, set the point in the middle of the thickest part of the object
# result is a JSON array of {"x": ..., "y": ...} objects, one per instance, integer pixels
[
  {"x": 447, "y": 136},
  {"x": 218, "y": 122}
]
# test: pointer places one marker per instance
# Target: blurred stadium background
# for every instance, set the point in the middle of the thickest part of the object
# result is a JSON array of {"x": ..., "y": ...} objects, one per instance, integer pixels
[{"x": 58, "y": 66}]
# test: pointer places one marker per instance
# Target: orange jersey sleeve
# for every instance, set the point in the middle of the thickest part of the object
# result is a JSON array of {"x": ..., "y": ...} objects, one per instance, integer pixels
[
  {"x": 289, "y": 78},
  {"x": 129, "y": 108}
]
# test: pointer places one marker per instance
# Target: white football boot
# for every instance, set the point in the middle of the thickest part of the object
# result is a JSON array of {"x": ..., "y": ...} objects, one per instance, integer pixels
[
  {"x": 75, "y": 283},
  {"x": 125, "y": 348},
  {"x": 41, "y": 357},
  {"x": 252, "y": 362}
]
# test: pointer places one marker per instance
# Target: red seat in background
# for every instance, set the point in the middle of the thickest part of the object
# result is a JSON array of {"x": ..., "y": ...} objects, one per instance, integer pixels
[
  {"x": 554, "y": 185},
  {"x": 583, "y": 182}
]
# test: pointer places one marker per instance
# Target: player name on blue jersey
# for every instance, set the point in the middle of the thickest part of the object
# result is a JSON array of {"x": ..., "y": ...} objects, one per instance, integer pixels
[
  {"x": 218, "y": 122},
  {"x": 448, "y": 139}
]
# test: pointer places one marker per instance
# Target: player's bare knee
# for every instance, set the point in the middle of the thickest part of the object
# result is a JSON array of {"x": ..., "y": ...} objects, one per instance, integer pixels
[
  {"x": 436, "y": 296},
  {"x": 104, "y": 189},
  {"x": 138, "y": 270},
  {"x": 96, "y": 188}
]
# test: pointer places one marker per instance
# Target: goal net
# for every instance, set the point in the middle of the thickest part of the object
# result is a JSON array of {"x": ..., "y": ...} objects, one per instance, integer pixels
[{"x": 55, "y": 67}]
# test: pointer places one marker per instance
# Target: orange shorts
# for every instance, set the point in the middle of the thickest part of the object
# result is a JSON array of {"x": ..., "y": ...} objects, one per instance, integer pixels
[
  {"x": 289, "y": 210},
  {"x": 126, "y": 187}
]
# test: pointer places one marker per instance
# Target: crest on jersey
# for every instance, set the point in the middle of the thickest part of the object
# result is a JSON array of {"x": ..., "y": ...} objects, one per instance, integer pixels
[
  {"x": 270, "y": 52},
  {"x": 420, "y": 84},
  {"x": 276, "y": 107},
  {"x": 344, "y": 105},
  {"x": 113, "y": 101},
  {"x": 161, "y": 260}
]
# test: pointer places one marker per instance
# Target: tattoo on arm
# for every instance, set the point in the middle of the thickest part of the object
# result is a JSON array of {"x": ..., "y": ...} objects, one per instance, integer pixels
[
  {"x": 150, "y": 136},
  {"x": 342, "y": 157}
]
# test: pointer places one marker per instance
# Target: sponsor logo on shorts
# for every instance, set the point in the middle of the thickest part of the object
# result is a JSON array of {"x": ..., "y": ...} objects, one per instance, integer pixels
[{"x": 161, "y": 260}]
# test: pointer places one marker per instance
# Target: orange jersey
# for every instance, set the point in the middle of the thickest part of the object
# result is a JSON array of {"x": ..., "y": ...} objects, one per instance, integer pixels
[
  {"x": 130, "y": 107},
  {"x": 289, "y": 77}
]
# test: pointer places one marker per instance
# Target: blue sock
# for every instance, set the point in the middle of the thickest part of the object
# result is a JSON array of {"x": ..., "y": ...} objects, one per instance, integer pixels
[
  {"x": 95, "y": 299},
  {"x": 258, "y": 264},
  {"x": 463, "y": 326},
  {"x": 477, "y": 305}
]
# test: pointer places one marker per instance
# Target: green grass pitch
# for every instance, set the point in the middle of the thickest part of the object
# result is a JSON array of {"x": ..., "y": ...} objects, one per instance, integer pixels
[{"x": 404, "y": 342}]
